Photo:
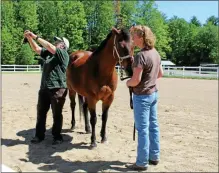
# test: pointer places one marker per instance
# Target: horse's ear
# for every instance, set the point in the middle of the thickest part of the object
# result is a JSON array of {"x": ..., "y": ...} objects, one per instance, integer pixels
[{"x": 115, "y": 31}]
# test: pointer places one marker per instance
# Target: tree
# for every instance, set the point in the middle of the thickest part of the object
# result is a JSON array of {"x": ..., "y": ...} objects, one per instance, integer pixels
[
  {"x": 206, "y": 44},
  {"x": 25, "y": 55},
  {"x": 8, "y": 48},
  {"x": 100, "y": 18},
  {"x": 87, "y": 23},
  {"x": 213, "y": 20},
  {"x": 26, "y": 19},
  {"x": 195, "y": 21},
  {"x": 63, "y": 19},
  {"x": 128, "y": 9},
  {"x": 193, "y": 44},
  {"x": 49, "y": 24},
  {"x": 26, "y": 15},
  {"x": 105, "y": 19},
  {"x": 8, "y": 33},
  {"x": 190, "y": 54},
  {"x": 179, "y": 31},
  {"x": 74, "y": 24},
  {"x": 91, "y": 21},
  {"x": 147, "y": 14}
]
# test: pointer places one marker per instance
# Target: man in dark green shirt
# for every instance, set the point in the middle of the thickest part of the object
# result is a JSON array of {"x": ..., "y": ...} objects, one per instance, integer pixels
[{"x": 53, "y": 89}]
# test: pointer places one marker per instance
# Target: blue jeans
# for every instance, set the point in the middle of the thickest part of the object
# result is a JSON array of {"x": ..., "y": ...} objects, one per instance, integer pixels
[{"x": 146, "y": 123}]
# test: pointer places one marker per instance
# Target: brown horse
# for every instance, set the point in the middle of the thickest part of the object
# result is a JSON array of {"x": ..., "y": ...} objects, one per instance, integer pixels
[{"x": 93, "y": 75}]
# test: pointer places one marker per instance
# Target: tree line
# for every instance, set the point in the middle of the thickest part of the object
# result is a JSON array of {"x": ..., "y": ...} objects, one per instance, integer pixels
[{"x": 87, "y": 23}]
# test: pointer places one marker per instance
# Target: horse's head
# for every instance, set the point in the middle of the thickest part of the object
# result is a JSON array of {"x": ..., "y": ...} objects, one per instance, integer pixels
[{"x": 122, "y": 50}]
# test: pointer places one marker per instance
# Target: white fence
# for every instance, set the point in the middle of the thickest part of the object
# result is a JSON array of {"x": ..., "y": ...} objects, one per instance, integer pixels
[
  {"x": 20, "y": 68},
  {"x": 203, "y": 72},
  {"x": 208, "y": 72}
]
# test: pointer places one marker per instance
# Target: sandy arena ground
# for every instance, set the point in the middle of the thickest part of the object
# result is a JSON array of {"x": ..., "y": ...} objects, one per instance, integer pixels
[{"x": 188, "y": 118}]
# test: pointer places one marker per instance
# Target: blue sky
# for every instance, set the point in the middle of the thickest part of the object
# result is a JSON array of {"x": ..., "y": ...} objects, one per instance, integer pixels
[{"x": 186, "y": 9}]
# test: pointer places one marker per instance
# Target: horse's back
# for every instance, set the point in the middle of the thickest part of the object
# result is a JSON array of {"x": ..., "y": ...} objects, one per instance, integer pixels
[{"x": 79, "y": 58}]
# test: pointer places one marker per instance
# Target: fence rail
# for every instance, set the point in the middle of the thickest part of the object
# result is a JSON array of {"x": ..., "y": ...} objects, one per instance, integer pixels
[
  {"x": 185, "y": 71},
  {"x": 20, "y": 68},
  {"x": 180, "y": 71}
]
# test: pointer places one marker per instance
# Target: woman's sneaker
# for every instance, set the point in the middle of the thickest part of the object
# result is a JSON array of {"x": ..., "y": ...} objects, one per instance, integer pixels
[
  {"x": 153, "y": 162},
  {"x": 136, "y": 167}
]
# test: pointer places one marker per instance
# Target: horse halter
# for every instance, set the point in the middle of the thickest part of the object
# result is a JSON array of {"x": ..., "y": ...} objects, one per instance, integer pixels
[{"x": 121, "y": 58}]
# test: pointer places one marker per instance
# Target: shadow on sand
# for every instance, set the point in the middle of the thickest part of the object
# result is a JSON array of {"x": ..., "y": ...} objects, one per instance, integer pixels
[{"x": 43, "y": 153}]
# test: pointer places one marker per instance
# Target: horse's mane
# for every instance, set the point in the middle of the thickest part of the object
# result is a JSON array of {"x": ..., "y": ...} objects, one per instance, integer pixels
[
  {"x": 126, "y": 37},
  {"x": 102, "y": 44}
]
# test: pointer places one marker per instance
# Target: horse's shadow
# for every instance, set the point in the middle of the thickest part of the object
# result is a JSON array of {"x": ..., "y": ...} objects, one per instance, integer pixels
[{"x": 44, "y": 153}]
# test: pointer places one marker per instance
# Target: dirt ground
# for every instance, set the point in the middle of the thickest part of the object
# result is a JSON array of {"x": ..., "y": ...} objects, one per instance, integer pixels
[{"x": 188, "y": 118}]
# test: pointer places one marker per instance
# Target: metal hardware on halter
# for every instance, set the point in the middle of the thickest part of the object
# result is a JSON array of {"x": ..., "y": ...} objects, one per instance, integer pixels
[
  {"x": 120, "y": 58},
  {"x": 115, "y": 50}
]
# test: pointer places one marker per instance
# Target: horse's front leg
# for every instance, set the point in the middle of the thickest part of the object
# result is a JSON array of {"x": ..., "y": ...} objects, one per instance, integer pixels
[
  {"x": 93, "y": 119},
  {"x": 72, "y": 95},
  {"x": 105, "y": 108}
]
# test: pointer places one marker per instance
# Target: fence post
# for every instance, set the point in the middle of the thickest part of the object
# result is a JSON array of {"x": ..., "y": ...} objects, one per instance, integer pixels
[
  {"x": 200, "y": 70},
  {"x": 40, "y": 68},
  {"x": 14, "y": 68},
  {"x": 217, "y": 72},
  {"x": 168, "y": 70},
  {"x": 27, "y": 67},
  {"x": 183, "y": 70}
]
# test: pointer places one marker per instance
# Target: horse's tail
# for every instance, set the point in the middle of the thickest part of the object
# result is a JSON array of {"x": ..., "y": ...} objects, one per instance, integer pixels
[{"x": 80, "y": 102}]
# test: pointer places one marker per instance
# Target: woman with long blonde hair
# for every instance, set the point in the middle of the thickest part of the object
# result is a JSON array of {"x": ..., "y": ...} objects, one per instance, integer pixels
[{"x": 146, "y": 70}]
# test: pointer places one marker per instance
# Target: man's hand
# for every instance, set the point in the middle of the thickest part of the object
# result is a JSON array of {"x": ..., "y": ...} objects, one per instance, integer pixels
[
  {"x": 29, "y": 34},
  {"x": 26, "y": 35}
]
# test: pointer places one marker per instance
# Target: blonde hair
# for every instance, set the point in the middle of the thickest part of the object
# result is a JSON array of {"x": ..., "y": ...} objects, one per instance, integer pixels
[{"x": 146, "y": 33}]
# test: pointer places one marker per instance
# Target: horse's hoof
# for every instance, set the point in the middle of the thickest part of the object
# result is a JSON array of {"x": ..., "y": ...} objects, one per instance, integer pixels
[
  {"x": 93, "y": 145},
  {"x": 72, "y": 127},
  {"x": 104, "y": 141},
  {"x": 131, "y": 105},
  {"x": 88, "y": 131}
]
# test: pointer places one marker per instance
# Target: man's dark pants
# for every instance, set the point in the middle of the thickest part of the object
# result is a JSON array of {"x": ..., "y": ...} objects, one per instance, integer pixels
[{"x": 56, "y": 98}]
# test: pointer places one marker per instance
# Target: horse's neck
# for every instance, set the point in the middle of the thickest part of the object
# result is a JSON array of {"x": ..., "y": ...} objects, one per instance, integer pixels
[{"x": 107, "y": 60}]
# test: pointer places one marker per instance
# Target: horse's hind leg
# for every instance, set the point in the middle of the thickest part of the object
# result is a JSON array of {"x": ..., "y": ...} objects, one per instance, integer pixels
[
  {"x": 84, "y": 109},
  {"x": 105, "y": 108},
  {"x": 72, "y": 95}
]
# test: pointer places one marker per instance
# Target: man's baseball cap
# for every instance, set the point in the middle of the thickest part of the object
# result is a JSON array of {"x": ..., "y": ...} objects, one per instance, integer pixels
[{"x": 63, "y": 39}]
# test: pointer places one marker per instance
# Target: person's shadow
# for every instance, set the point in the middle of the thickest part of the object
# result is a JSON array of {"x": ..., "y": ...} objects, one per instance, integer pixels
[{"x": 43, "y": 153}]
